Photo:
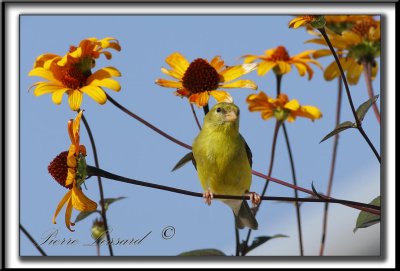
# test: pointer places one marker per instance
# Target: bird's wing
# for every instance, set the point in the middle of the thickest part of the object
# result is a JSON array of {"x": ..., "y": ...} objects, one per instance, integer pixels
[
  {"x": 248, "y": 151},
  {"x": 188, "y": 157}
]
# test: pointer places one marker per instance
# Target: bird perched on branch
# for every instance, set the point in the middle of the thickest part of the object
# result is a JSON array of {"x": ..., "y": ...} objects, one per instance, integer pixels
[{"x": 223, "y": 161}]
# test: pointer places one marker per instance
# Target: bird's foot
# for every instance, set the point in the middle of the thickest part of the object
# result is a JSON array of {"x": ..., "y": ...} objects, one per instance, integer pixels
[
  {"x": 208, "y": 197},
  {"x": 255, "y": 198}
]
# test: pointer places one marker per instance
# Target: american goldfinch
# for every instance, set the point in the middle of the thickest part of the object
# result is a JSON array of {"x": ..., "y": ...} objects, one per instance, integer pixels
[{"x": 223, "y": 161}]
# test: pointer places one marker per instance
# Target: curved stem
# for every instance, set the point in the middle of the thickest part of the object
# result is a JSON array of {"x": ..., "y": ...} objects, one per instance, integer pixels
[
  {"x": 271, "y": 165},
  {"x": 296, "y": 195},
  {"x": 32, "y": 240},
  {"x": 357, "y": 120},
  {"x": 332, "y": 170},
  {"x": 195, "y": 116},
  {"x": 96, "y": 162},
  {"x": 151, "y": 126},
  {"x": 368, "y": 80}
]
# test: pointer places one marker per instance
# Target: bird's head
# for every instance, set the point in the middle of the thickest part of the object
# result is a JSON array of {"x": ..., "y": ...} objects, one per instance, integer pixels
[{"x": 224, "y": 116}]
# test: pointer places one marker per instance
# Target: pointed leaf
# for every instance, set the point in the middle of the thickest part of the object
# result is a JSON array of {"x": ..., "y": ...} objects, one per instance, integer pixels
[
  {"x": 366, "y": 219},
  {"x": 258, "y": 241},
  {"x": 187, "y": 158},
  {"x": 341, "y": 127},
  {"x": 363, "y": 108},
  {"x": 203, "y": 252},
  {"x": 84, "y": 214},
  {"x": 108, "y": 201}
]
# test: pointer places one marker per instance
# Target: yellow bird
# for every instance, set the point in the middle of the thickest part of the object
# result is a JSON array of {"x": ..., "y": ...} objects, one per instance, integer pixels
[{"x": 223, "y": 161}]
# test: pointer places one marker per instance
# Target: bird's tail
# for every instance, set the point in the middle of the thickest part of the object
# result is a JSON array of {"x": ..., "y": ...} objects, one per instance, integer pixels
[{"x": 244, "y": 217}]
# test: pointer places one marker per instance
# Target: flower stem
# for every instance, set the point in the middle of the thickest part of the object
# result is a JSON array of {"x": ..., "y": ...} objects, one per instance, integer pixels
[
  {"x": 206, "y": 109},
  {"x": 368, "y": 80},
  {"x": 96, "y": 162},
  {"x": 296, "y": 195},
  {"x": 333, "y": 164},
  {"x": 32, "y": 240},
  {"x": 358, "y": 122},
  {"x": 195, "y": 116},
  {"x": 271, "y": 165},
  {"x": 278, "y": 84},
  {"x": 151, "y": 126},
  {"x": 94, "y": 171}
]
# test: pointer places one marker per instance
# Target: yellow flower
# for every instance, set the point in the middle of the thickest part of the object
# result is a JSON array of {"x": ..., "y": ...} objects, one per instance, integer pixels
[
  {"x": 281, "y": 108},
  {"x": 200, "y": 79},
  {"x": 316, "y": 21},
  {"x": 279, "y": 60},
  {"x": 72, "y": 73},
  {"x": 67, "y": 169},
  {"x": 359, "y": 44}
]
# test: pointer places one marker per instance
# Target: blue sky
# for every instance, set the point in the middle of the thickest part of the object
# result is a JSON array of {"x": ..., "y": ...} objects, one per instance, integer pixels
[{"x": 126, "y": 147}]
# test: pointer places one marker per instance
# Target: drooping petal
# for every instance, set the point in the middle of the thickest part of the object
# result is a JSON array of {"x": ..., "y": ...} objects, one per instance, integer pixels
[
  {"x": 75, "y": 100},
  {"x": 169, "y": 83},
  {"x": 71, "y": 158},
  {"x": 240, "y": 84},
  {"x": 235, "y": 72},
  {"x": 57, "y": 95},
  {"x": 331, "y": 72},
  {"x": 265, "y": 66},
  {"x": 354, "y": 73},
  {"x": 68, "y": 214},
  {"x": 284, "y": 67},
  {"x": 96, "y": 93},
  {"x": 66, "y": 197},
  {"x": 267, "y": 114},
  {"x": 178, "y": 63},
  {"x": 71, "y": 177},
  {"x": 221, "y": 96},
  {"x": 81, "y": 202}
]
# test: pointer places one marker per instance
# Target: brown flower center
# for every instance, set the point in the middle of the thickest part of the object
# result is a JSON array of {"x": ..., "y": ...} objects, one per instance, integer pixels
[
  {"x": 58, "y": 168},
  {"x": 73, "y": 77},
  {"x": 280, "y": 54},
  {"x": 200, "y": 76},
  {"x": 362, "y": 27}
]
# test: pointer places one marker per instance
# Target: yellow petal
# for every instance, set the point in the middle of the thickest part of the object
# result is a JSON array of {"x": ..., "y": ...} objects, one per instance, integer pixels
[
  {"x": 178, "y": 63},
  {"x": 75, "y": 100},
  {"x": 322, "y": 53},
  {"x": 221, "y": 96},
  {"x": 71, "y": 158},
  {"x": 293, "y": 105},
  {"x": 304, "y": 54},
  {"x": 354, "y": 73},
  {"x": 168, "y": 83},
  {"x": 108, "y": 83},
  {"x": 46, "y": 87},
  {"x": 41, "y": 72},
  {"x": 70, "y": 177},
  {"x": 265, "y": 66},
  {"x": 217, "y": 63},
  {"x": 235, "y": 72},
  {"x": 171, "y": 73},
  {"x": 374, "y": 71},
  {"x": 200, "y": 99},
  {"x": 284, "y": 67},
  {"x": 66, "y": 197},
  {"x": 68, "y": 214},
  {"x": 240, "y": 84},
  {"x": 331, "y": 72},
  {"x": 96, "y": 93},
  {"x": 267, "y": 114},
  {"x": 351, "y": 37},
  {"x": 104, "y": 73},
  {"x": 76, "y": 123},
  {"x": 81, "y": 202},
  {"x": 300, "y": 68},
  {"x": 57, "y": 95},
  {"x": 308, "y": 111},
  {"x": 249, "y": 58}
]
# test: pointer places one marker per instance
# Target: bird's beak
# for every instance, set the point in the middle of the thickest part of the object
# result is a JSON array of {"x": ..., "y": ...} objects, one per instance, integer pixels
[{"x": 231, "y": 116}]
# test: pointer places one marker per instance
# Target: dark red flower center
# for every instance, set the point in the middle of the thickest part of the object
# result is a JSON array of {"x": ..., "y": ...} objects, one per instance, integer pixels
[
  {"x": 73, "y": 77},
  {"x": 58, "y": 169},
  {"x": 362, "y": 27},
  {"x": 280, "y": 54},
  {"x": 200, "y": 76}
]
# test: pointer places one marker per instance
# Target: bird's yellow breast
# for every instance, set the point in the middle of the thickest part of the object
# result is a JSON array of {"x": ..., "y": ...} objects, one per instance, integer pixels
[{"x": 222, "y": 163}]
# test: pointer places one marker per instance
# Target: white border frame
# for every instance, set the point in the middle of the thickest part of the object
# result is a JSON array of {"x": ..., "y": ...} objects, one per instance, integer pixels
[{"x": 14, "y": 10}]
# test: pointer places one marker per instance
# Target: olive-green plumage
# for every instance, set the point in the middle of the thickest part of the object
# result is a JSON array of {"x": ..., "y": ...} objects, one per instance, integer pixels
[{"x": 223, "y": 160}]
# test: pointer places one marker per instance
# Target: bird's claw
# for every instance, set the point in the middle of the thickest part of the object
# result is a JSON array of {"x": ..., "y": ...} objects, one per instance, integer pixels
[
  {"x": 208, "y": 197},
  {"x": 255, "y": 198}
]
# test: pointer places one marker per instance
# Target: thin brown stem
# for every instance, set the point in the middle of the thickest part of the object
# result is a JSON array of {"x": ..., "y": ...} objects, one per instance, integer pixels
[
  {"x": 333, "y": 164},
  {"x": 346, "y": 85},
  {"x": 367, "y": 70},
  {"x": 96, "y": 162},
  {"x": 271, "y": 165},
  {"x": 296, "y": 195},
  {"x": 32, "y": 240},
  {"x": 195, "y": 116}
]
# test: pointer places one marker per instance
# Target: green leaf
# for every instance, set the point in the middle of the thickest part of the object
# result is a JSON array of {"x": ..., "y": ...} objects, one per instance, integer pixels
[
  {"x": 363, "y": 108},
  {"x": 341, "y": 127},
  {"x": 187, "y": 158},
  {"x": 203, "y": 252},
  {"x": 84, "y": 214},
  {"x": 366, "y": 219},
  {"x": 108, "y": 201},
  {"x": 258, "y": 241}
]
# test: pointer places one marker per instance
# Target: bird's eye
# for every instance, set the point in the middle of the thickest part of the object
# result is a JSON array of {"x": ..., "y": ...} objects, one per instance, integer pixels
[{"x": 219, "y": 109}]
